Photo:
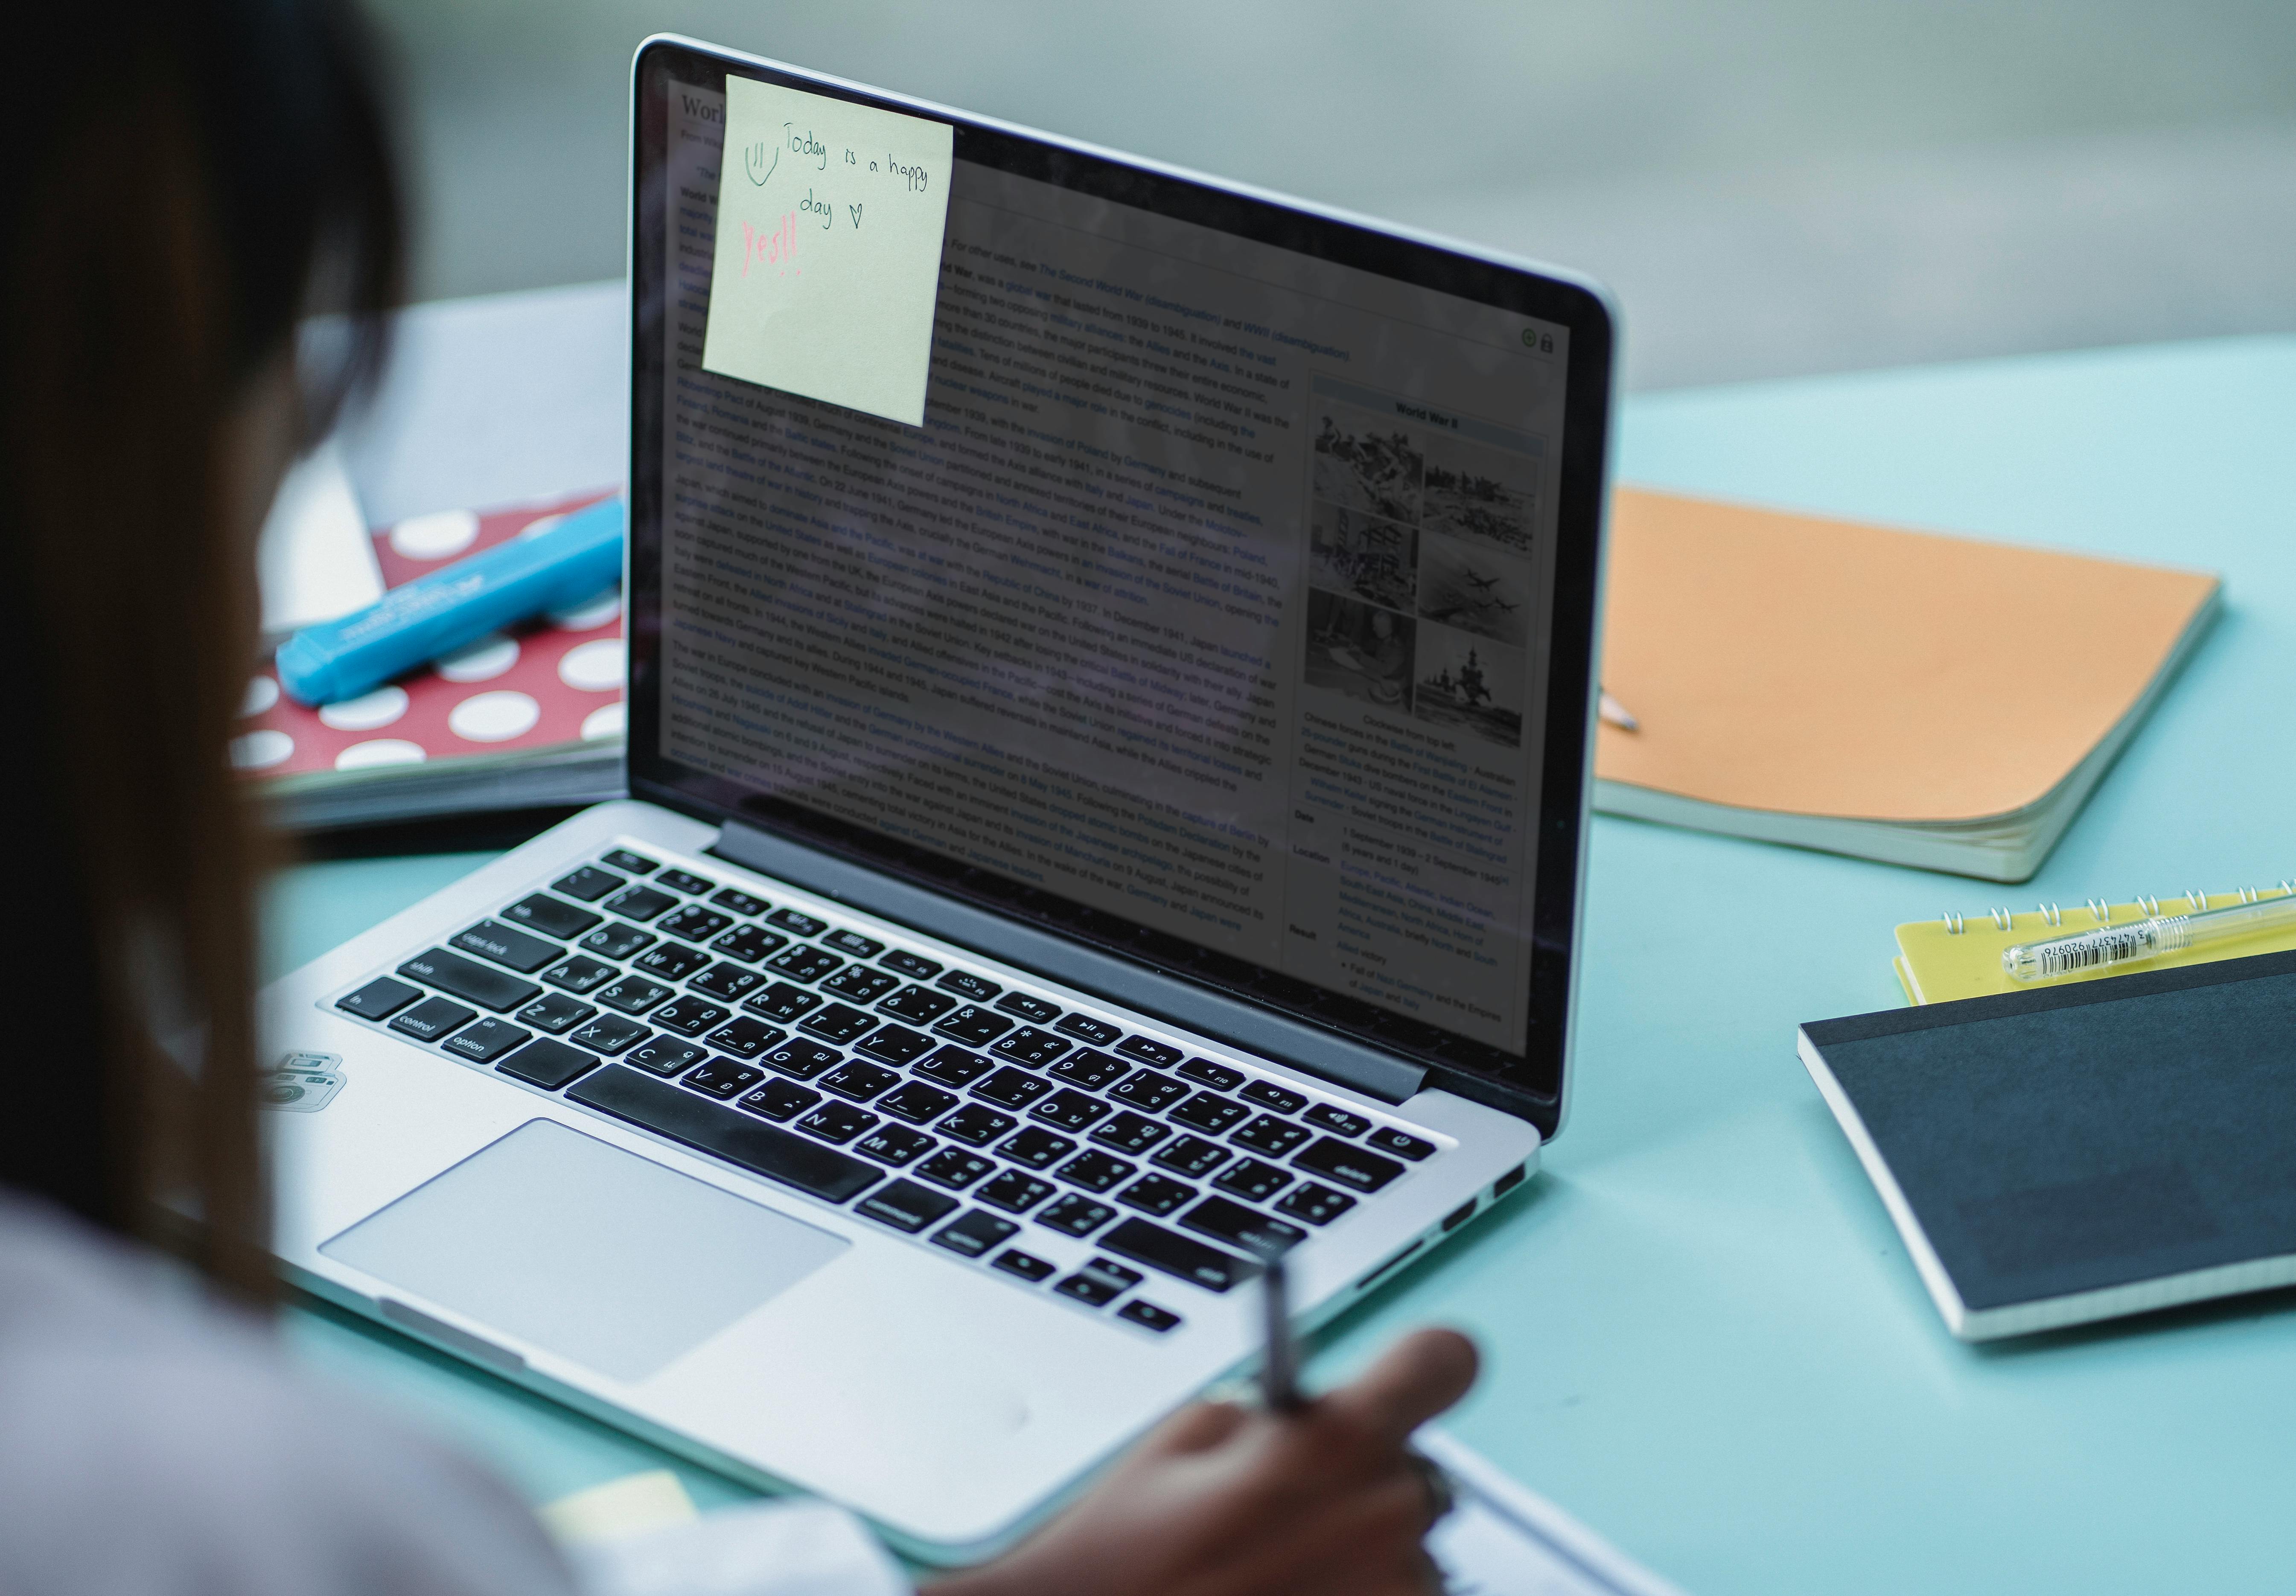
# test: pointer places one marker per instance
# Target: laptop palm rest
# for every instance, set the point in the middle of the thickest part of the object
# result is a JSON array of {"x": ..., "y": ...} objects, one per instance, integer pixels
[{"x": 577, "y": 1246}]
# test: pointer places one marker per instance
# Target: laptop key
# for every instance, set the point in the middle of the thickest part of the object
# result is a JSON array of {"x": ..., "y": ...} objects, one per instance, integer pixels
[
  {"x": 973, "y": 1234},
  {"x": 547, "y": 1064},
  {"x": 638, "y": 865},
  {"x": 1317, "y": 1205},
  {"x": 973, "y": 1025},
  {"x": 853, "y": 944},
  {"x": 615, "y": 940},
  {"x": 639, "y": 902},
  {"x": 860, "y": 983},
  {"x": 683, "y": 880},
  {"x": 1219, "y": 1076},
  {"x": 487, "y": 1040},
  {"x": 1150, "y": 1091},
  {"x": 966, "y": 984},
  {"x": 918, "y": 1005},
  {"x": 473, "y": 983},
  {"x": 1192, "y": 1155},
  {"x": 610, "y": 1033},
  {"x": 894, "y": 1144},
  {"x": 1183, "y": 1257},
  {"x": 1402, "y": 1146},
  {"x": 1148, "y": 1050},
  {"x": 782, "y": 1002},
  {"x": 838, "y": 1023},
  {"x": 727, "y": 981},
  {"x": 858, "y": 1080},
  {"x": 894, "y": 1044},
  {"x": 722, "y": 1078},
  {"x": 1209, "y": 1111},
  {"x": 976, "y": 1124},
  {"x": 912, "y": 965},
  {"x": 1155, "y": 1194},
  {"x": 1267, "y": 1134},
  {"x": 905, "y": 1206},
  {"x": 1131, "y": 1133},
  {"x": 1037, "y": 1148},
  {"x": 633, "y": 995},
  {"x": 555, "y": 1013},
  {"x": 743, "y": 1038},
  {"x": 917, "y": 1103},
  {"x": 1027, "y": 1266},
  {"x": 1242, "y": 1227},
  {"x": 666, "y": 1058},
  {"x": 378, "y": 999},
  {"x": 1252, "y": 1179},
  {"x": 1350, "y": 1166},
  {"x": 1089, "y": 1289},
  {"x": 553, "y": 917},
  {"x": 1267, "y": 1095},
  {"x": 740, "y": 902},
  {"x": 1074, "y": 1215},
  {"x": 689, "y": 1016},
  {"x": 1013, "y": 1088},
  {"x": 749, "y": 943},
  {"x": 955, "y": 1168},
  {"x": 1015, "y": 1193},
  {"x": 804, "y": 962},
  {"x": 1093, "y": 1170},
  {"x": 1032, "y": 1047},
  {"x": 693, "y": 923},
  {"x": 1323, "y": 1116},
  {"x": 776, "y": 1099},
  {"x": 837, "y": 1122},
  {"x": 433, "y": 1018},
  {"x": 672, "y": 960},
  {"x": 802, "y": 1059},
  {"x": 796, "y": 923},
  {"x": 580, "y": 973},
  {"x": 739, "y": 1139},
  {"x": 954, "y": 1067},
  {"x": 1147, "y": 1315},
  {"x": 1071, "y": 1109},
  {"x": 589, "y": 883},
  {"x": 1035, "y": 1011},
  {"x": 1090, "y": 1068},
  {"x": 1084, "y": 1027}
]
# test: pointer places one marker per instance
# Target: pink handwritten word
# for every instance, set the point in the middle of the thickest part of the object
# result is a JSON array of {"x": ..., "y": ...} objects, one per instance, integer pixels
[{"x": 776, "y": 246}]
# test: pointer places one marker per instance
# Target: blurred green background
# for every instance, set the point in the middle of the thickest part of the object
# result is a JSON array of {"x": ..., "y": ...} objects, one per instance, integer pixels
[{"x": 1772, "y": 186}]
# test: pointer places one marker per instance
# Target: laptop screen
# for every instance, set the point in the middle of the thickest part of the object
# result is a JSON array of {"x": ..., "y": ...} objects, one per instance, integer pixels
[{"x": 1231, "y": 605}]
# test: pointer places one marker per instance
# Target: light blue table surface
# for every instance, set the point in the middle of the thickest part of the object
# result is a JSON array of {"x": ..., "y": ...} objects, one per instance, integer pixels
[{"x": 1702, "y": 1335}]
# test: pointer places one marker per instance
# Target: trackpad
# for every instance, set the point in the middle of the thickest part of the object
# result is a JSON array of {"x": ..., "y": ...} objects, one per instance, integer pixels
[{"x": 576, "y": 1246}]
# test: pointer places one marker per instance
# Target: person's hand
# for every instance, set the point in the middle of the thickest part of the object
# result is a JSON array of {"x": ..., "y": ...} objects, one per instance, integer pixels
[{"x": 1224, "y": 1500}]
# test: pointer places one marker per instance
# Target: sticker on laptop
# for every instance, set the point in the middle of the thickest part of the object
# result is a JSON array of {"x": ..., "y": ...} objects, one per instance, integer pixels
[{"x": 300, "y": 1083}]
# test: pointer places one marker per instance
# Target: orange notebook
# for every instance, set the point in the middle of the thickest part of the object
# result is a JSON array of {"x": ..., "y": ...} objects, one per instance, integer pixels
[{"x": 1872, "y": 691}]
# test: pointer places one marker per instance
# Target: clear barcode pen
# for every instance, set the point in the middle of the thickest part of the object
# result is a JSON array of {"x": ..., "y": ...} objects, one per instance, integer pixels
[{"x": 2153, "y": 938}]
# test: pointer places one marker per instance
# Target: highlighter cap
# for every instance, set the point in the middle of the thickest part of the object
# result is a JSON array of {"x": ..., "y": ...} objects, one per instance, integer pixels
[{"x": 307, "y": 670}]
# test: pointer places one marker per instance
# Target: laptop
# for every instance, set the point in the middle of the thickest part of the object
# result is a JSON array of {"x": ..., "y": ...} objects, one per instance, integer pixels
[{"x": 1126, "y": 818}]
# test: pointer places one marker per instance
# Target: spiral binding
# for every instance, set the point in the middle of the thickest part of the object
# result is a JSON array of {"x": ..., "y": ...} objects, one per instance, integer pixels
[{"x": 2100, "y": 910}]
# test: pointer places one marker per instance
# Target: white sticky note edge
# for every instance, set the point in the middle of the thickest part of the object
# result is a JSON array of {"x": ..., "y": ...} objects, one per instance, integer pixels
[
  {"x": 314, "y": 559},
  {"x": 826, "y": 271}
]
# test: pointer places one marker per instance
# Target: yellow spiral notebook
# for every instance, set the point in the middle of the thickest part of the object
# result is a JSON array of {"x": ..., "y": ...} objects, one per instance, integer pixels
[{"x": 1957, "y": 955}]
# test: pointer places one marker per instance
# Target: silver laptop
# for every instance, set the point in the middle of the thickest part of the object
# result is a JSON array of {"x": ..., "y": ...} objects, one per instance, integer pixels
[{"x": 1132, "y": 819}]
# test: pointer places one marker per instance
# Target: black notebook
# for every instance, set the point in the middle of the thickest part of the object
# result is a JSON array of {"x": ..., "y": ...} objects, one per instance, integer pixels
[{"x": 2074, "y": 1153}]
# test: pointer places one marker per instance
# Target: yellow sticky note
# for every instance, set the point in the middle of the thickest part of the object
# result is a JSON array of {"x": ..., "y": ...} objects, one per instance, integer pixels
[
  {"x": 829, "y": 217},
  {"x": 633, "y": 1505}
]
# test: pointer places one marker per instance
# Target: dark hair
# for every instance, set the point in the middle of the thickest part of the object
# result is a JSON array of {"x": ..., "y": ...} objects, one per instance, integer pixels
[{"x": 187, "y": 183}]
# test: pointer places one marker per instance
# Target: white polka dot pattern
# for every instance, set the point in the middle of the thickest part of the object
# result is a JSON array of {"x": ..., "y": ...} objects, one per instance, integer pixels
[
  {"x": 494, "y": 716},
  {"x": 368, "y": 712},
  {"x": 600, "y": 724},
  {"x": 480, "y": 661},
  {"x": 435, "y": 536},
  {"x": 260, "y": 750},
  {"x": 593, "y": 666},
  {"x": 378, "y": 751}
]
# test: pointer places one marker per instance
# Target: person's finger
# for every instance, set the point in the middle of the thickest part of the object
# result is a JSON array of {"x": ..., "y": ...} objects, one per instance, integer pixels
[
  {"x": 1369, "y": 1543},
  {"x": 1199, "y": 1426},
  {"x": 1416, "y": 1378}
]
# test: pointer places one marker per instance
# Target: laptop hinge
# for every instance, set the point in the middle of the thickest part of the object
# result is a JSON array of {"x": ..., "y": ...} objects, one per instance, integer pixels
[{"x": 1246, "y": 1025}]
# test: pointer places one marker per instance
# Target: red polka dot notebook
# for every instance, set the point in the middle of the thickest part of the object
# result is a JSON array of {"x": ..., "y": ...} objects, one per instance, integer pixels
[{"x": 521, "y": 719}]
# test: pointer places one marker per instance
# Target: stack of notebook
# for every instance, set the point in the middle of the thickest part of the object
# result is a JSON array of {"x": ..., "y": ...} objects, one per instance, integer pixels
[
  {"x": 523, "y": 719},
  {"x": 1849, "y": 687}
]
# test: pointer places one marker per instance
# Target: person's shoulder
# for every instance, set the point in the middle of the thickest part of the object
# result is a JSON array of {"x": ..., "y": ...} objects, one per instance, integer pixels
[{"x": 155, "y": 1441}]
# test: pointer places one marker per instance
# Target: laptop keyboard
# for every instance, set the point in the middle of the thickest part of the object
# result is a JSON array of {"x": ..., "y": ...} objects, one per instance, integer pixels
[{"x": 941, "y": 1101}]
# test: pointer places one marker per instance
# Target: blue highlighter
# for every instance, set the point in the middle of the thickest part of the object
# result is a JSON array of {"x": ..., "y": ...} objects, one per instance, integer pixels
[{"x": 460, "y": 603}]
